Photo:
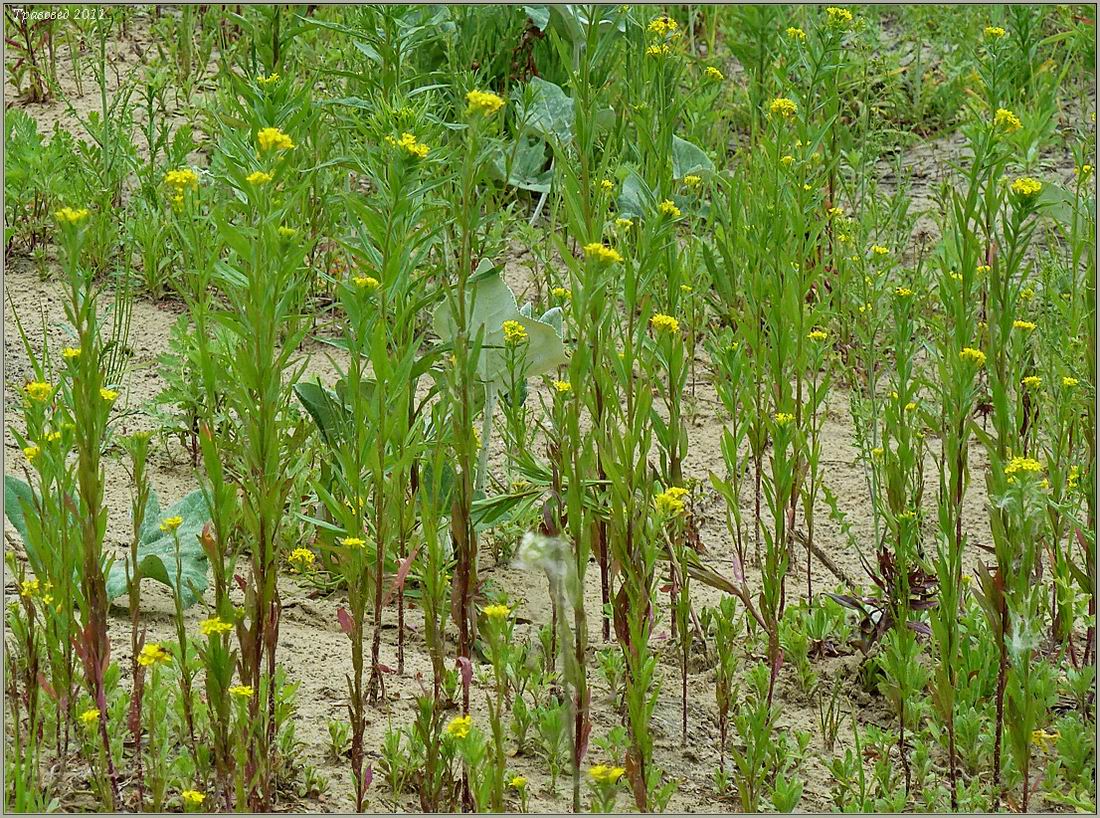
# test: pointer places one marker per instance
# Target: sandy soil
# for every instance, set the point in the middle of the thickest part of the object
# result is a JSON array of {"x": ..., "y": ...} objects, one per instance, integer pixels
[{"x": 314, "y": 649}]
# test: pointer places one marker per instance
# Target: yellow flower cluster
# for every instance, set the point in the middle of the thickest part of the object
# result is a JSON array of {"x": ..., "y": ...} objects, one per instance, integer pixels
[
  {"x": 662, "y": 50},
  {"x": 607, "y": 185},
  {"x": 1007, "y": 120},
  {"x": 269, "y": 79},
  {"x": 109, "y": 395},
  {"x": 258, "y": 177},
  {"x": 879, "y": 250},
  {"x": 1026, "y": 187},
  {"x": 796, "y": 33},
  {"x": 1026, "y": 326},
  {"x": 90, "y": 716},
  {"x": 153, "y": 655},
  {"x": 243, "y": 691},
  {"x": 353, "y": 542},
  {"x": 269, "y": 138},
  {"x": 459, "y": 726},
  {"x": 562, "y": 293},
  {"x": 287, "y": 232},
  {"x": 366, "y": 282},
  {"x": 818, "y": 335},
  {"x": 33, "y": 589},
  {"x": 664, "y": 323},
  {"x": 31, "y": 452},
  {"x": 994, "y": 32},
  {"x": 518, "y": 782},
  {"x": 483, "y": 102},
  {"x": 497, "y": 613},
  {"x": 663, "y": 26},
  {"x": 192, "y": 797},
  {"x": 712, "y": 73},
  {"x": 69, "y": 353},
  {"x": 692, "y": 181},
  {"x": 1023, "y": 464},
  {"x": 841, "y": 18},
  {"x": 170, "y": 524},
  {"x": 602, "y": 252},
  {"x": 563, "y": 387},
  {"x": 69, "y": 215},
  {"x": 783, "y": 418},
  {"x": 514, "y": 332},
  {"x": 603, "y": 774},
  {"x": 903, "y": 292},
  {"x": 301, "y": 559},
  {"x": 784, "y": 107},
  {"x": 975, "y": 356},
  {"x": 214, "y": 625},
  {"x": 410, "y": 145},
  {"x": 1032, "y": 382},
  {"x": 1069, "y": 382},
  {"x": 670, "y": 502},
  {"x": 181, "y": 179},
  {"x": 624, "y": 224},
  {"x": 1043, "y": 740},
  {"x": 668, "y": 208}
]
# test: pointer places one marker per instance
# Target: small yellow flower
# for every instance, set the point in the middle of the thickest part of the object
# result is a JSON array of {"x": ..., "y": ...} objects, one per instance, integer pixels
[
  {"x": 108, "y": 395},
  {"x": 69, "y": 215},
  {"x": 817, "y": 335},
  {"x": 353, "y": 542},
  {"x": 662, "y": 26},
  {"x": 38, "y": 390},
  {"x": 692, "y": 180},
  {"x": 192, "y": 797},
  {"x": 1032, "y": 382},
  {"x": 911, "y": 406},
  {"x": 562, "y": 293},
  {"x": 214, "y": 625},
  {"x": 1074, "y": 476},
  {"x": 1023, "y": 464},
  {"x": 181, "y": 179},
  {"x": 269, "y": 79},
  {"x": 624, "y": 224},
  {"x": 30, "y": 588},
  {"x": 269, "y": 138},
  {"x": 878, "y": 451},
  {"x": 668, "y": 208},
  {"x": 602, "y": 252},
  {"x": 258, "y": 177},
  {"x": 90, "y": 716},
  {"x": 1084, "y": 172},
  {"x": 983, "y": 269},
  {"x": 841, "y": 18},
  {"x": 903, "y": 292},
  {"x": 483, "y": 102},
  {"x": 70, "y": 353},
  {"x": 1026, "y": 187},
  {"x": 514, "y": 332},
  {"x": 1043, "y": 740},
  {"x": 607, "y": 185},
  {"x": 366, "y": 282},
  {"x": 712, "y": 73},
  {"x": 563, "y": 387},
  {"x": 975, "y": 356},
  {"x": 287, "y": 232},
  {"x": 603, "y": 774},
  {"x": 783, "y": 418},
  {"x": 53, "y": 437},
  {"x": 31, "y": 452},
  {"x": 664, "y": 323},
  {"x": 1069, "y": 382},
  {"x": 459, "y": 726},
  {"x": 1007, "y": 120},
  {"x": 787, "y": 161},
  {"x": 153, "y": 654},
  {"x": 796, "y": 33},
  {"x": 518, "y": 782},
  {"x": 170, "y": 524},
  {"x": 496, "y": 612},
  {"x": 1026, "y": 326},
  {"x": 784, "y": 107},
  {"x": 879, "y": 250},
  {"x": 301, "y": 559},
  {"x": 994, "y": 32},
  {"x": 670, "y": 502},
  {"x": 662, "y": 50},
  {"x": 243, "y": 691},
  {"x": 835, "y": 212},
  {"x": 410, "y": 145}
]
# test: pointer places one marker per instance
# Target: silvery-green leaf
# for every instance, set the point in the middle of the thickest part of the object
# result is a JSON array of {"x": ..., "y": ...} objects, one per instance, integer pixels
[{"x": 688, "y": 158}]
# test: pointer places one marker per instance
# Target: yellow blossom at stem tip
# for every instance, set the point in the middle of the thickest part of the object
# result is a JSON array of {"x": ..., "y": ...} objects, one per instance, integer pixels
[
  {"x": 90, "y": 716},
  {"x": 170, "y": 524},
  {"x": 459, "y": 726},
  {"x": 192, "y": 797},
  {"x": 269, "y": 138},
  {"x": 497, "y": 613},
  {"x": 514, "y": 332},
  {"x": 69, "y": 215},
  {"x": 38, "y": 390},
  {"x": 601, "y": 252},
  {"x": 784, "y": 107},
  {"x": 242, "y": 691},
  {"x": 664, "y": 323},
  {"x": 483, "y": 102},
  {"x": 152, "y": 655},
  {"x": 604, "y": 774},
  {"x": 214, "y": 625},
  {"x": 108, "y": 395}
]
